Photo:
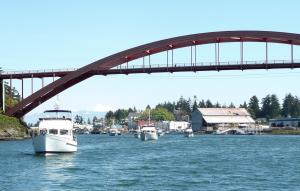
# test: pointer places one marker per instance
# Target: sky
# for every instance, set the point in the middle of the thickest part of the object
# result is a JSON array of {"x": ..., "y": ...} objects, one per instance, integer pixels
[{"x": 71, "y": 34}]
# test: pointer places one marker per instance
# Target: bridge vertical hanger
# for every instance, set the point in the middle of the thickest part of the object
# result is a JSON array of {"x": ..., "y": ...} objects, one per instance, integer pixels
[
  {"x": 217, "y": 52},
  {"x": 292, "y": 52},
  {"x": 42, "y": 82},
  {"x": 144, "y": 63},
  {"x": 172, "y": 56},
  {"x": 31, "y": 84},
  {"x": 167, "y": 60},
  {"x": 192, "y": 57},
  {"x": 267, "y": 53},
  {"x": 195, "y": 54},
  {"x": 242, "y": 52}
]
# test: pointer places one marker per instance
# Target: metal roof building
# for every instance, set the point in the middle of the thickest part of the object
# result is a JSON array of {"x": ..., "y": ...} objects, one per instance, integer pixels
[{"x": 212, "y": 117}]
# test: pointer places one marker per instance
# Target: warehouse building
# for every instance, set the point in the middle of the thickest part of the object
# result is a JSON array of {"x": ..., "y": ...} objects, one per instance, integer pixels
[{"x": 210, "y": 119}]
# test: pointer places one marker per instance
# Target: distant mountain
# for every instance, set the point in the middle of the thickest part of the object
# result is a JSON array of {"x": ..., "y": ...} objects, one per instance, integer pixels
[{"x": 33, "y": 118}]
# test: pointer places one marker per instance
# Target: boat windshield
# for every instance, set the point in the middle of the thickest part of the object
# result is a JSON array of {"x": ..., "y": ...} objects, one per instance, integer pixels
[{"x": 57, "y": 114}]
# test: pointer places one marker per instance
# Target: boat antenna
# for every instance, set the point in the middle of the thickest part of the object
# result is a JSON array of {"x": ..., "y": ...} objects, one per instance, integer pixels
[{"x": 56, "y": 104}]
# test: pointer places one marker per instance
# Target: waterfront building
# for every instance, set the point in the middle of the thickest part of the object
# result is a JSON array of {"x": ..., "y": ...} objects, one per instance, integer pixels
[
  {"x": 285, "y": 122},
  {"x": 173, "y": 126},
  {"x": 210, "y": 119}
]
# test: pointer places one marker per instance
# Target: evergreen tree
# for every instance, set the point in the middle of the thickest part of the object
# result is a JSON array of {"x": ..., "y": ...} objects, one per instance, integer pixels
[
  {"x": 253, "y": 107},
  {"x": 287, "y": 105},
  {"x": 218, "y": 105},
  {"x": 231, "y": 105},
  {"x": 244, "y": 105},
  {"x": 275, "y": 106},
  {"x": 195, "y": 105},
  {"x": 208, "y": 104},
  {"x": 270, "y": 107},
  {"x": 296, "y": 107},
  {"x": 202, "y": 104}
]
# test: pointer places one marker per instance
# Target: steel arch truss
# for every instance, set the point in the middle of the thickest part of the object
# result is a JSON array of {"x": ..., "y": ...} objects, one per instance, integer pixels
[{"x": 114, "y": 60}]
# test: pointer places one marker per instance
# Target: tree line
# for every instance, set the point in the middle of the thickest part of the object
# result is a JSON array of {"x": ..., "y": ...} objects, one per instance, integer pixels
[{"x": 268, "y": 107}]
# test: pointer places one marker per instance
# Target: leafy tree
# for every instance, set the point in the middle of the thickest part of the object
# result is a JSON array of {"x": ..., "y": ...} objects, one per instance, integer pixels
[
  {"x": 148, "y": 107},
  {"x": 168, "y": 105},
  {"x": 253, "y": 107},
  {"x": 158, "y": 114},
  {"x": 89, "y": 121}
]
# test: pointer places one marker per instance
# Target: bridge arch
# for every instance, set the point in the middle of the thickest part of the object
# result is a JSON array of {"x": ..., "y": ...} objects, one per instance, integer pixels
[{"x": 42, "y": 95}]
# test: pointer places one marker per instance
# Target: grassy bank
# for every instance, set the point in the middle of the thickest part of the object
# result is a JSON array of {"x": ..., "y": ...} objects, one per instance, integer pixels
[
  {"x": 285, "y": 132},
  {"x": 11, "y": 128}
]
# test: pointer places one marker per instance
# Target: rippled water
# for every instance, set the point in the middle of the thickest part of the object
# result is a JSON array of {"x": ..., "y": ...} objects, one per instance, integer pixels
[{"x": 171, "y": 163}]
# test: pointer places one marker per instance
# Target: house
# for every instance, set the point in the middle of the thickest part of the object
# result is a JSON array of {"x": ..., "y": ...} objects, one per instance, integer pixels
[
  {"x": 209, "y": 119},
  {"x": 285, "y": 122}
]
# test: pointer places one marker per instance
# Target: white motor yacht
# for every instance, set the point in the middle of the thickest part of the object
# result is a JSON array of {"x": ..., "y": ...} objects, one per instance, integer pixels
[
  {"x": 149, "y": 133},
  {"x": 188, "y": 133},
  {"x": 55, "y": 133}
]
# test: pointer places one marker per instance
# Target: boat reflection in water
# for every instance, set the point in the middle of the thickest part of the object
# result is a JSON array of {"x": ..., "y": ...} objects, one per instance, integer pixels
[{"x": 55, "y": 133}]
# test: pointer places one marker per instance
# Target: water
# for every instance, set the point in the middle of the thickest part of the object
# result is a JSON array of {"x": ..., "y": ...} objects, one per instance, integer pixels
[{"x": 171, "y": 163}]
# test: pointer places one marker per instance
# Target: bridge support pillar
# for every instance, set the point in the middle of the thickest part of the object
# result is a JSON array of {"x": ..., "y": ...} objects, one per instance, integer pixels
[{"x": 2, "y": 95}]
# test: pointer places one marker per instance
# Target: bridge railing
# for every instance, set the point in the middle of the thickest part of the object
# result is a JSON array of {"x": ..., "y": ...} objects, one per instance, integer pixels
[
  {"x": 170, "y": 65},
  {"x": 192, "y": 64},
  {"x": 37, "y": 71}
]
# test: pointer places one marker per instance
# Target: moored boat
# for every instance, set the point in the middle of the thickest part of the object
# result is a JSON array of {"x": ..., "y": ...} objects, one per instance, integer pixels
[
  {"x": 149, "y": 133},
  {"x": 188, "y": 133}
]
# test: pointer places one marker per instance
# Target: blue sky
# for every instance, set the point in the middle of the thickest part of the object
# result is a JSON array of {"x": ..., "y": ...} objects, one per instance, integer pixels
[{"x": 70, "y": 34}]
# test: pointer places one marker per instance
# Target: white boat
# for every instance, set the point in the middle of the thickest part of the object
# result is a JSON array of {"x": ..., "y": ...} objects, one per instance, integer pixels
[
  {"x": 149, "y": 133},
  {"x": 160, "y": 133},
  {"x": 55, "y": 133},
  {"x": 114, "y": 132},
  {"x": 137, "y": 133},
  {"x": 188, "y": 133}
]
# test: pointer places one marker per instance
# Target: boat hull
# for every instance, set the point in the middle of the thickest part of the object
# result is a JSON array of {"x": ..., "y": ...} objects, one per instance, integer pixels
[
  {"x": 137, "y": 135},
  {"x": 189, "y": 135},
  {"x": 53, "y": 144},
  {"x": 148, "y": 136}
]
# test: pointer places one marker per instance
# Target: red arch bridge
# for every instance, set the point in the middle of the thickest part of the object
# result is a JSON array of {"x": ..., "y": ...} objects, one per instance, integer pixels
[{"x": 118, "y": 63}]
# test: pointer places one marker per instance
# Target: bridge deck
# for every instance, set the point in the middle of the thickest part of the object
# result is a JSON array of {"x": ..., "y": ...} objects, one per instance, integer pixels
[{"x": 135, "y": 69}]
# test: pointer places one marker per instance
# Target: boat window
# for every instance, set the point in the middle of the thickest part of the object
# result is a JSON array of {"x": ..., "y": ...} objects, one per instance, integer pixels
[
  {"x": 43, "y": 131},
  {"x": 53, "y": 131},
  {"x": 64, "y": 132}
]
